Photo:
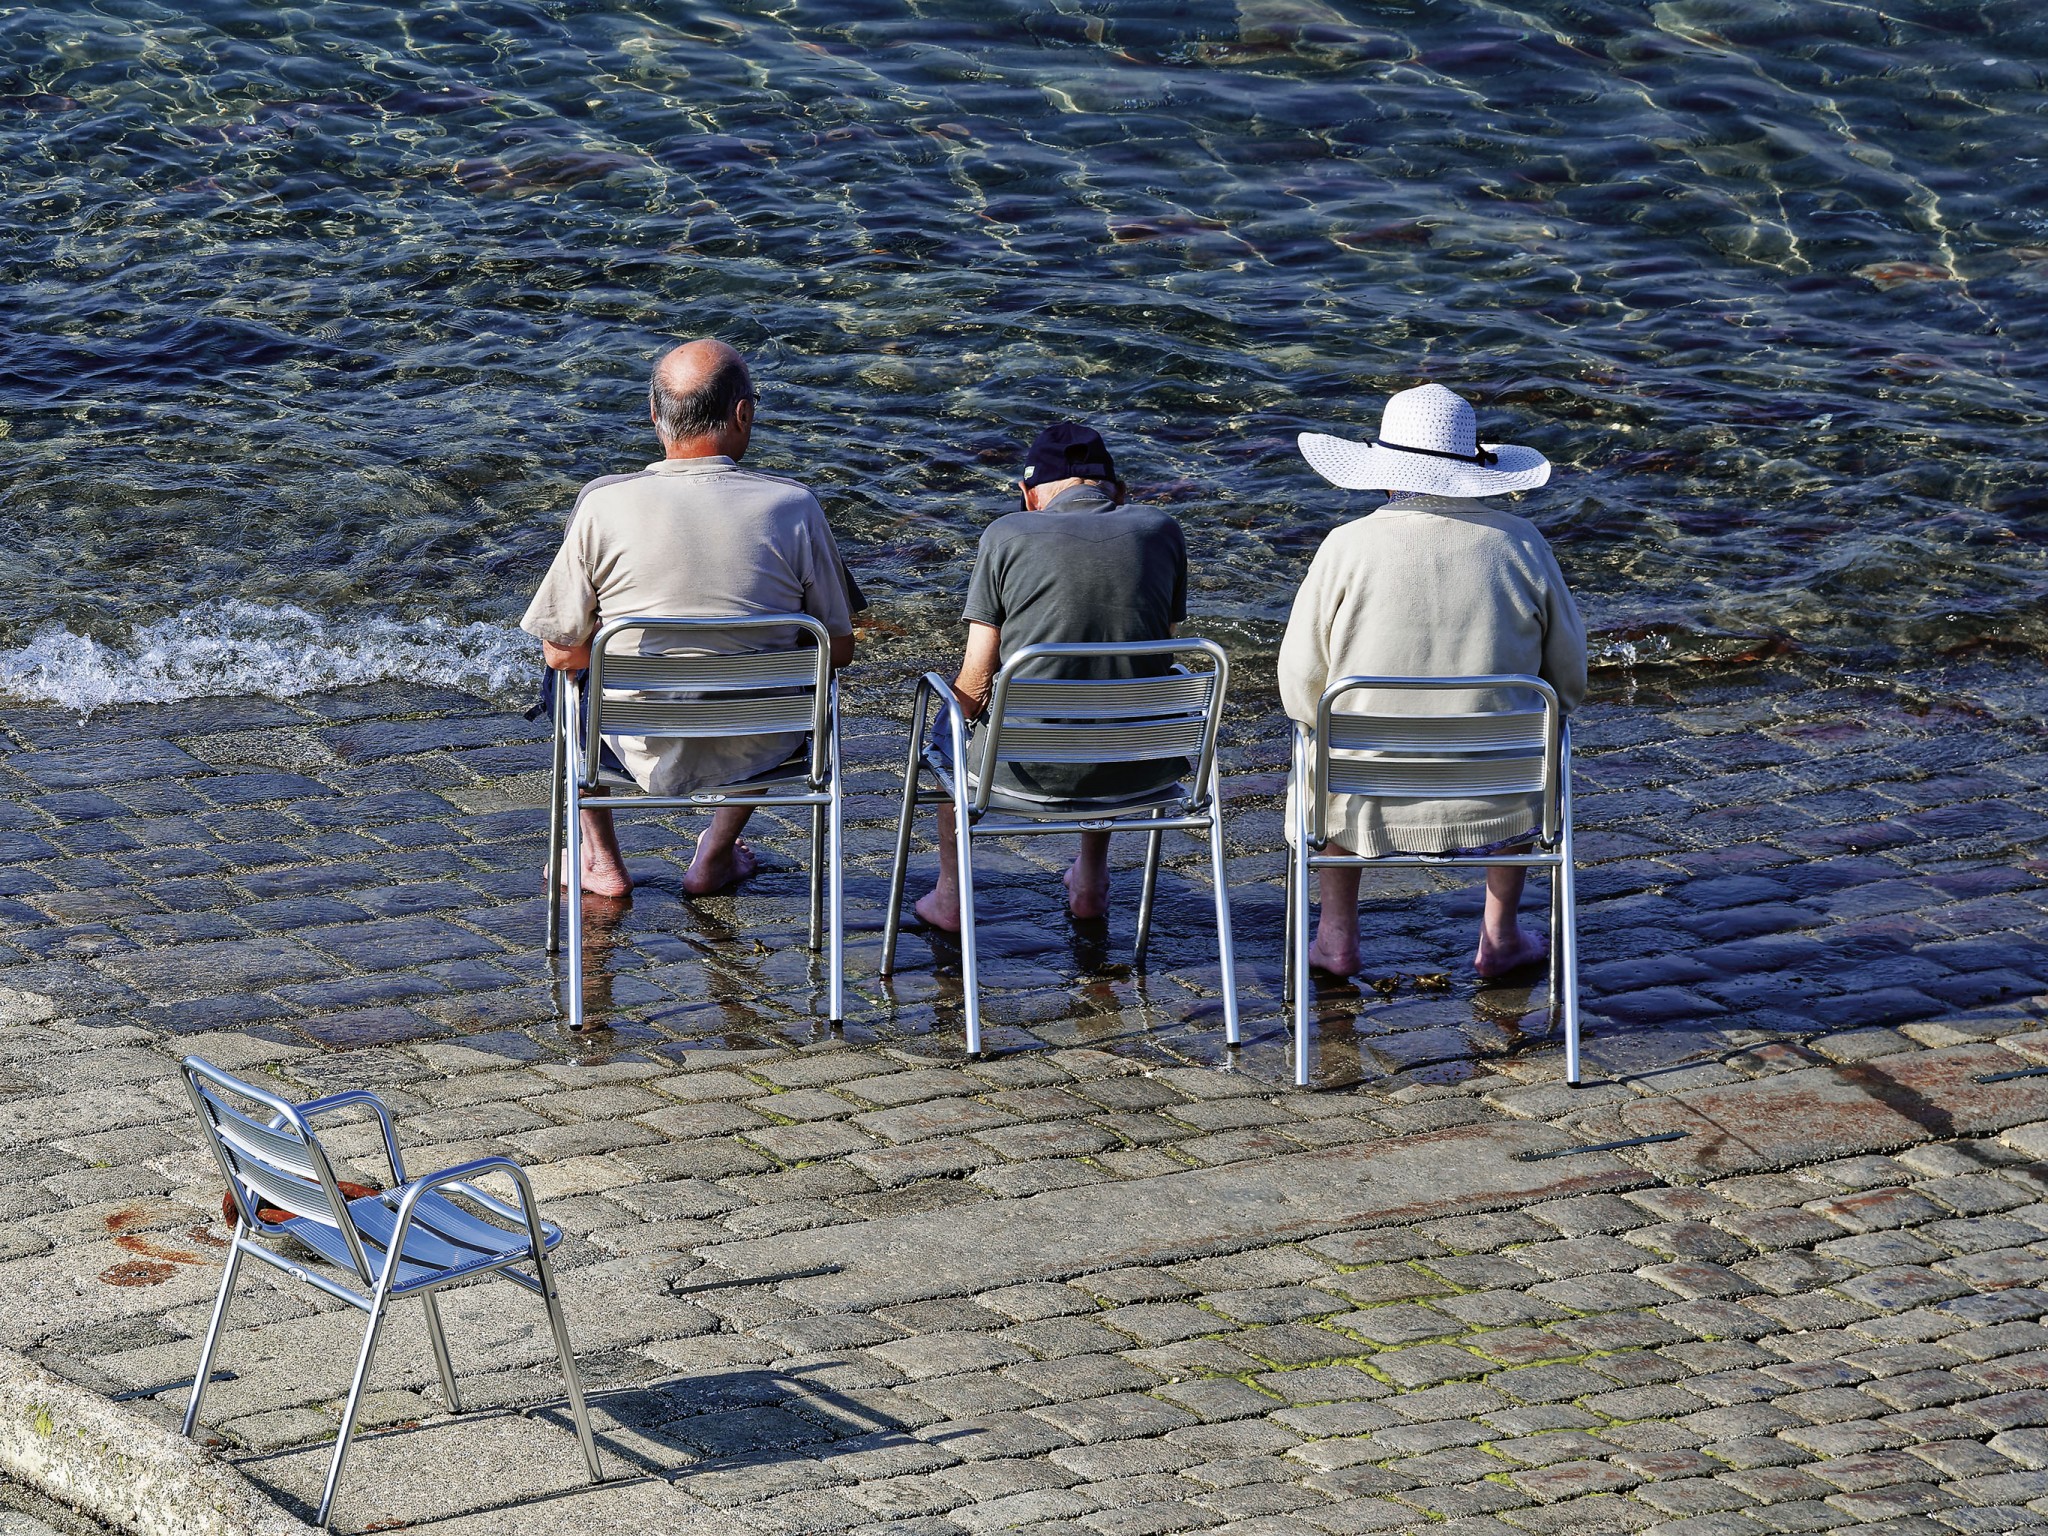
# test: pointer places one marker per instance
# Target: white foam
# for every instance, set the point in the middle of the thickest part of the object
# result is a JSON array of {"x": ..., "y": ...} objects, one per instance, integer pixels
[{"x": 236, "y": 647}]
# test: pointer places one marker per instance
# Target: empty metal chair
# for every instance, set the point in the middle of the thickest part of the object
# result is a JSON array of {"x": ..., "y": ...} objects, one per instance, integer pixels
[
  {"x": 628, "y": 693},
  {"x": 1515, "y": 751},
  {"x": 1079, "y": 721},
  {"x": 407, "y": 1241}
]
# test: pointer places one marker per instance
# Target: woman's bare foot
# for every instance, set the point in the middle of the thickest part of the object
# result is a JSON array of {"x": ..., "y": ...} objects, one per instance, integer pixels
[
  {"x": 1504, "y": 957},
  {"x": 937, "y": 909},
  {"x": 1087, "y": 892},
  {"x": 713, "y": 869},
  {"x": 1337, "y": 959}
]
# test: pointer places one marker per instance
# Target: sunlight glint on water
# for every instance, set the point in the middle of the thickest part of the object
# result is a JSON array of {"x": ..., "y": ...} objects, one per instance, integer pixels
[{"x": 330, "y": 320}]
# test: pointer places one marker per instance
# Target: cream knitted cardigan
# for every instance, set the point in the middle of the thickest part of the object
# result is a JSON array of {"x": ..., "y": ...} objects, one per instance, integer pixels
[{"x": 1430, "y": 586}]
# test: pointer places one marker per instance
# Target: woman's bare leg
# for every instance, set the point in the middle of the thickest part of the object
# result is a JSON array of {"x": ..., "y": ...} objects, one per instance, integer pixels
[
  {"x": 1336, "y": 944},
  {"x": 1503, "y": 946}
]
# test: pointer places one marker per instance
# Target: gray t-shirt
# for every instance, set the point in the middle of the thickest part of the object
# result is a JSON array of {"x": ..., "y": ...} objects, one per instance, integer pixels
[{"x": 1083, "y": 569}]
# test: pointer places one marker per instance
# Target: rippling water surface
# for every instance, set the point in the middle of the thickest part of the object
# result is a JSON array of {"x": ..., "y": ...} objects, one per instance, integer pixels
[{"x": 328, "y": 308}]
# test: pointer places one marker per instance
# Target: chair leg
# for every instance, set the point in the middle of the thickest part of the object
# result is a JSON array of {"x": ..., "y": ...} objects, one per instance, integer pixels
[
  {"x": 555, "y": 793},
  {"x": 892, "y": 921},
  {"x": 835, "y": 958},
  {"x": 1568, "y": 933},
  {"x": 1556, "y": 943},
  {"x": 1145, "y": 893},
  {"x": 1226, "y": 944},
  {"x": 817, "y": 875},
  {"x": 348, "y": 1413},
  {"x": 574, "y": 812},
  {"x": 570, "y": 1380},
  {"x": 970, "y": 966},
  {"x": 213, "y": 1328},
  {"x": 1287, "y": 961},
  {"x": 442, "y": 1362},
  {"x": 1304, "y": 988}
]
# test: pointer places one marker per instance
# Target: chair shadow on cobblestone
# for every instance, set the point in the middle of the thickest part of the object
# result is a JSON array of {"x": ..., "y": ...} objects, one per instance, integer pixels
[
  {"x": 722, "y": 1435},
  {"x": 726, "y": 1421}
]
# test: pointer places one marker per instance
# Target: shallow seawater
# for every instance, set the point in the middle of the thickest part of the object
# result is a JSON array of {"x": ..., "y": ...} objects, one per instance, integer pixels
[{"x": 317, "y": 314}]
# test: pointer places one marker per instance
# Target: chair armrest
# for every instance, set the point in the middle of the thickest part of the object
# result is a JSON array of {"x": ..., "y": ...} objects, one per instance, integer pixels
[
  {"x": 459, "y": 1179},
  {"x": 361, "y": 1098},
  {"x": 941, "y": 690},
  {"x": 933, "y": 687}
]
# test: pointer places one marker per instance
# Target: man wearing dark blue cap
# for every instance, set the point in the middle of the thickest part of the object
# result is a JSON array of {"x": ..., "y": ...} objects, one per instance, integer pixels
[{"x": 1074, "y": 565}]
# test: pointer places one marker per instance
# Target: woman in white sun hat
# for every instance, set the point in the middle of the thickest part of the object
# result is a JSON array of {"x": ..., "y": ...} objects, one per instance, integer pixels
[{"x": 1438, "y": 582}]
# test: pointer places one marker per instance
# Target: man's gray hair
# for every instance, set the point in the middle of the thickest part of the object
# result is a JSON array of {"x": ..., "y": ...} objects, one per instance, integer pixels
[{"x": 679, "y": 417}]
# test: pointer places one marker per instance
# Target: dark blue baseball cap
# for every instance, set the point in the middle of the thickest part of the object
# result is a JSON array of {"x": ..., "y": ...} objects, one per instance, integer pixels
[{"x": 1066, "y": 450}]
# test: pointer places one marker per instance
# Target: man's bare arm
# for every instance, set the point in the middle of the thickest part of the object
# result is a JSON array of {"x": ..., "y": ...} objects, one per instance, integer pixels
[
  {"x": 978, "y": 668},
  {"x": 566, "y": 658},
  {"x": 842, "y": 651}
]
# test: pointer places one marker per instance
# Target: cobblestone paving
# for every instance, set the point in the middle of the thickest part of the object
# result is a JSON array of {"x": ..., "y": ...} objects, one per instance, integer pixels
[{"x": 1107, "y": 1281}]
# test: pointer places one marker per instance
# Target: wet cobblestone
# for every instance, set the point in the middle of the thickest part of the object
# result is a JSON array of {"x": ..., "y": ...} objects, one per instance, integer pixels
[{"x": 1814, "y": 920}]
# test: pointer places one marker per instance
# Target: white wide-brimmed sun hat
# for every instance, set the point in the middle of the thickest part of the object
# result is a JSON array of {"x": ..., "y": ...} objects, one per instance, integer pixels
[{"x": 1428, "y": 445}]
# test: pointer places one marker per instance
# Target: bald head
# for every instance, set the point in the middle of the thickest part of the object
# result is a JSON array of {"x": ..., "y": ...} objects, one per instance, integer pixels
[{"x": 696, "y": 394}]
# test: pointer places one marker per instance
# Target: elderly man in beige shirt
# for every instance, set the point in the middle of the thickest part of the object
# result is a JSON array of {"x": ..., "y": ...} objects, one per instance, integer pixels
[
  {"x": 1436, "y": 583},
  {"x": 692, "y": 536}
]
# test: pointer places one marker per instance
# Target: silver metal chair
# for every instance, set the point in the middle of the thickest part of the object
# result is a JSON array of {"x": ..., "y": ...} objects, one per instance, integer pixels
[
  {"x": 1082, "y": 721},
  {"x": 750, "y": 693},
  {"x": 408, "y": 1241},
  {"x": 1515, "y": 751}
]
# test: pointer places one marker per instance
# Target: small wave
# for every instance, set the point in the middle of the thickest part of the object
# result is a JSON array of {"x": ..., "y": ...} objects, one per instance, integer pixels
[{"x": 238, "y": 647}]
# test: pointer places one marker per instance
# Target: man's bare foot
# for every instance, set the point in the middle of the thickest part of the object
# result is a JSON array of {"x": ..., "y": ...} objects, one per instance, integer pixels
[
  {"x": 1523, "y": 951},
  {"x": 1338, "y": 960},
  {"x": 937, "y": 910},
  {"x": 1087, "y": 893},
  {"x": 713, "y": 869},
  {"x": 603, "y": 874}
]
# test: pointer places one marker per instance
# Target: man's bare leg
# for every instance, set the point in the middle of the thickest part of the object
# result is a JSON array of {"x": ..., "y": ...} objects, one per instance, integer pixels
[
  {"x": 1088, "y": 878},
  {"x": 940, "y": 906},
  {"x": 721, "y": 857},
  {"x": 1503, "y": 947},
  {"x": 604, "y": 867},
  {"x": 1336, "y": 943}
]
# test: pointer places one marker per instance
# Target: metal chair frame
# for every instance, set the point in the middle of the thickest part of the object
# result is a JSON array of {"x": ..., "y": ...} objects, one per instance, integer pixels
[
  {"x": 1467, "y": 755},
  {"x": 1078, "y": 721},
  {"x": 744, "y": 693},
  {"x": 407, "y": 1241}
]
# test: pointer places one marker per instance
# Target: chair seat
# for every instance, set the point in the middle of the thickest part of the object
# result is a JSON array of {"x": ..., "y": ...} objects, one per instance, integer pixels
[
  {"x": 1173, "y": 797},
  {"x": 444, "y": 1243}
]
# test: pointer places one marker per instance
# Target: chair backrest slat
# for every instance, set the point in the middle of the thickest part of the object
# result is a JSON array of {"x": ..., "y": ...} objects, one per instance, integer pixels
[
  {"x": 1519, "y": 730},
  {"x": 1110, "y": 698},
  {"x": 730, "y": 716},
  {"x": 1121, "y": 741},
  {"x": 1084, "y": 720},
  {"x": 699, "y": 674},
  {"x": 301, "y": 1197},
  {"x": 639, "y": 686},
  {"x": 1462, "y": 754},
  {"x": 276, "y": 1165},
  {"x": 279, "y": 1148},
  {"x": 1414, "y": 778}
]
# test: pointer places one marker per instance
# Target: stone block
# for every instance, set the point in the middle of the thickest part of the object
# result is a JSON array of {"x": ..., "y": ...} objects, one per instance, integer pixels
[
  {"x": 1573, "y": 1479},
  {"x": 1124, "y": 1416}
]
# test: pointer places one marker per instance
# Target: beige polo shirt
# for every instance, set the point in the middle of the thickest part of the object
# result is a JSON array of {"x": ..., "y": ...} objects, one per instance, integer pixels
[{"x": 694, "y": 538}]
